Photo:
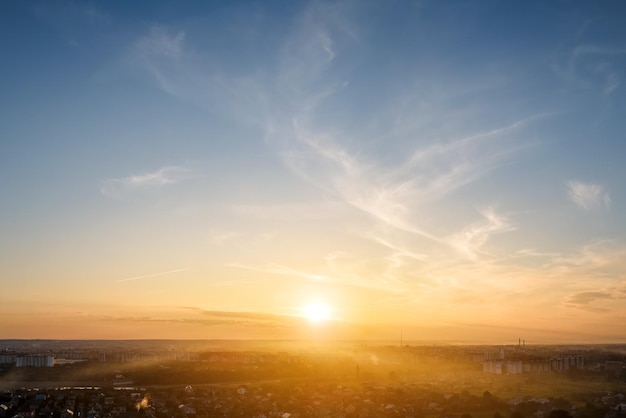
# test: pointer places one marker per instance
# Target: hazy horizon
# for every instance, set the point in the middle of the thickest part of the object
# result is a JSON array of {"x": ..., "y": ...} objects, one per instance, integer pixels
[
  {"x": 313, "y": 170},
  {"x": 302, "y": 344}
]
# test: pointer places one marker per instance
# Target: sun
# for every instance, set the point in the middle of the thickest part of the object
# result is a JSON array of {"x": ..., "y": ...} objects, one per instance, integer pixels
[{"x": 316, "y": 312}]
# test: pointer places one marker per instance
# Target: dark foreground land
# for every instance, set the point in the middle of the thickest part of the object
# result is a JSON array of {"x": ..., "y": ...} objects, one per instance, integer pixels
[{"x": 153, "y": 379}]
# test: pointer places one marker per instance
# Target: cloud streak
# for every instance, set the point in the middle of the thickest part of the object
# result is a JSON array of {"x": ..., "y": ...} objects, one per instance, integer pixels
[
  {"x": 471, "y": 240},
  {"x": 601, "y": 69},
  {"x": 394, "y": 195},
  {"x": 588, "y": 196},
  {"x": 212, "y": 318},
  {"x": 588, "y": 300},
  {"x": 215, "y": 320},
  {"x": 592, "y": 66},
  {"x": 147, "y": 276},
  {"x": 161, "y": 53},
  {"x": 282, "y": 270},
  {"x": 120, "y": 187}
]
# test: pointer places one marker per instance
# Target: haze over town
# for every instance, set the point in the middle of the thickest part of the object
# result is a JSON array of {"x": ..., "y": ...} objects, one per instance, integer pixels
[{"x": 447, "y": 171}]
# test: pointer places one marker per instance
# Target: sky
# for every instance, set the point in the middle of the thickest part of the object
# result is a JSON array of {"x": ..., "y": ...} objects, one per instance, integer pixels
[{"x": 449, "y": 170}]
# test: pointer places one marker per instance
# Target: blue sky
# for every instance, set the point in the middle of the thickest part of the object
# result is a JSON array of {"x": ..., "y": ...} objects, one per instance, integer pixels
[{"x": 428, "y": 164}]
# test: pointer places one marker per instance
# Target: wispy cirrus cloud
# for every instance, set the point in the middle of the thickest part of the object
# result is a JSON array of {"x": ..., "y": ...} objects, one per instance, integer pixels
[
  {"x": 394, "y": 189},
  {"x": 592, "y": 66},
  {"x": 588, "y": 196},
  {"x": 164, "y": 53},
  {"x": 604, "y": 71},
  {"x": 237, "y": 314},
  {"x": 121, "y": 187},
  {"x": 161, "y": 53},
  {"x": 282, "y": 270},
  {"x": 147, "y": 276},
  {"x": 592, "y": 262},
  {"x": 471, "y": 240},
  {"x": 356, "y": 277},
  {"x": 395, "y": 194}
]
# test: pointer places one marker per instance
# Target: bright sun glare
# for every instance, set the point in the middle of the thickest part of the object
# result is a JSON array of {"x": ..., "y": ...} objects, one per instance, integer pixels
[{"x": 316, "y": 312}]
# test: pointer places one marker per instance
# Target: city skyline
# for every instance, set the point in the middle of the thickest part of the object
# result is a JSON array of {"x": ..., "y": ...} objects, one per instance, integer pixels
[{"x": 328, "y": 170}]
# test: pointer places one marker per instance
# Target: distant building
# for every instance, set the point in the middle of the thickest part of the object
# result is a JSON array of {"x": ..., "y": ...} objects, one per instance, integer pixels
[
  {"x": 555, "y": 364},
  {"x": 7, "y": 359},
  {"x": 513, "y": 367},
  {"x": 536, "y": 366},
  {"x": 502, "y": 367},
  {"x": 561, "y": 364},
  {"x": 492, "y": 367},
  {"x": 34, "y": 361}
]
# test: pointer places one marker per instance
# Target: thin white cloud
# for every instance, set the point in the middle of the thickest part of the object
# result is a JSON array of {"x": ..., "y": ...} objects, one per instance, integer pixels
[
  {"x": 597, "y": 259},
  {"x": 471, "y": 240},
  {"x": 161, "y": 42},
  {"x": 337, "y": 277},
  {"x": 394, "y": 193},
  {"x": 147, "y": 276},
  {"x": 588, "y": 196},
  {"x": 120, "y": 187},
  {"x": 282, "y": 270},
  {"x": 357, "y": 182},
  {"x": 226, "y": 237},
  {"x": 399, "y": 252},
  {"x": 161, "y": 53},
  {"x": 172, "y": 63},
  {"x": 592, "y": 67},
  {"x": 227, "y": 283},
  {"x": 320, "y": 36},
  {"x": 531, "y": 252}
]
